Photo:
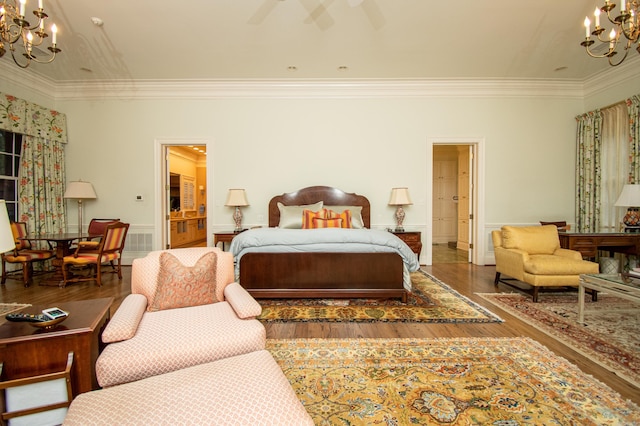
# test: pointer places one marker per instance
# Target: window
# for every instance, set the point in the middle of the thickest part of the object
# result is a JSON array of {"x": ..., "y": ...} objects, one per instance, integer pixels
[{"x": 10, "y": 148}]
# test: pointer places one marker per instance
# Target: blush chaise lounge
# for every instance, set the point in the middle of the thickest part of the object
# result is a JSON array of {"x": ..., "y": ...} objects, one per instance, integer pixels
[
  {"x": 146, "y": 338},
  {"x": 532, "y": 254}
]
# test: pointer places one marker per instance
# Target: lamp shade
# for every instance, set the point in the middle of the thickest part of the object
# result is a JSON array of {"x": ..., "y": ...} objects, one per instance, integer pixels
[
  {"x": 6, "y": 235},
  {"x": 400, "y": 197},
  {"x": 80, "y": 190},
  {"x": 236, "y": 198},
  {"x": 629, "y": 197}
]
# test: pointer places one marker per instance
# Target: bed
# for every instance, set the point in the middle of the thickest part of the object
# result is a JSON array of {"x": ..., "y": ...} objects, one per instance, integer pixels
[{"x": 280, "y": 262}]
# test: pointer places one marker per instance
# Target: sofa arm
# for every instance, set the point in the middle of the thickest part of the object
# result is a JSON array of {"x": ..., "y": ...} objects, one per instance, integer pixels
[
  {"x": 571, "y": 254},
  {"x": 241, "y": 301},
  {"x": 124, "y": 323},
  {"x": 511, "y": 262}
]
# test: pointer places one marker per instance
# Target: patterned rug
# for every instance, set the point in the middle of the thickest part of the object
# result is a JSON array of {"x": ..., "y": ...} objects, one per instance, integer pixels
[
  {"x": 431, "y": 300},
  {"x": 609, "y": 337},
  {"x": 457, "y": 381}
]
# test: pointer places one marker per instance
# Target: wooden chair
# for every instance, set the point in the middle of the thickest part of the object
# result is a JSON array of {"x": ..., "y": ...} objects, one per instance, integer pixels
[
  {"x": 109, "y": 249},
  {"x": 23, "y": 254},
  {"x": 97, "y": 227},
  {"x": 22, "y": 411}
]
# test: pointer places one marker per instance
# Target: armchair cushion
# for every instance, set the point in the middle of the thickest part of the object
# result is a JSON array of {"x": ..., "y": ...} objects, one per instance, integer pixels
[
  {"x": 180, "y": 286},
  {"x": 124, "y": 323},
  {"x": 543, "y": 264},
  {"x": 531, "y": 239},
  {"x": 144, "y": 271}
]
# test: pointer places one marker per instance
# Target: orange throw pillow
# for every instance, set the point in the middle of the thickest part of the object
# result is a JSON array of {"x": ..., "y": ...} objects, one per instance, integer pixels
[
  {"x": 345, "y": 216},
  {"x": 308, "y": 216},
  {"x": 327, "y": 223},
  {"x": 180, "y": 286}
]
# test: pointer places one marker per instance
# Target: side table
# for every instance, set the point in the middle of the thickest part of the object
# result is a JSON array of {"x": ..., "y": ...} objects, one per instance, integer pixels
[
  {"x": 28, "y": 351},
  {"x": 412, "y": 238},
  {"x": 224, "y": 237}
]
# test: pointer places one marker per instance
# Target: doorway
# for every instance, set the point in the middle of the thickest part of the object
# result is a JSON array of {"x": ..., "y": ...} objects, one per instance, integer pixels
[
  {"x": 455, "y": 182},
  {"x": 181, "y": 193}
]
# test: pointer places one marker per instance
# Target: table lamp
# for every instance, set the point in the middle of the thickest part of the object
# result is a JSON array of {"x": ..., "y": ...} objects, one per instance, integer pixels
[
  {"x": 630, "y": 197},
  {"x": 80, "y": 190},
  {"x": 400, "y": 197},
  {"x": 237, "y": 198},
  {"x": 7, "y": 241}
]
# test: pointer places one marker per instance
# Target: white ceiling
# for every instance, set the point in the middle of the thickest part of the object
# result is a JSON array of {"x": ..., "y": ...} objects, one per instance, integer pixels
[{"x": 377, "y": 39}]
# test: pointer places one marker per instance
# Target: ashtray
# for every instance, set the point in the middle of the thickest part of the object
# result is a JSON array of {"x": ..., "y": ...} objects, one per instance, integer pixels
[{"x": 50, "y": 323}]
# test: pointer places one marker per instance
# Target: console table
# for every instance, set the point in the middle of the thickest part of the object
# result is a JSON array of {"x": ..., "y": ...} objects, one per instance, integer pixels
[{"x": 589, "y": 243}]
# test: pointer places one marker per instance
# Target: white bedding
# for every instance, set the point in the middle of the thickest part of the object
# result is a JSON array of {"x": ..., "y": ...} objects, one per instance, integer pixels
[{"x": 277, "y": 240}]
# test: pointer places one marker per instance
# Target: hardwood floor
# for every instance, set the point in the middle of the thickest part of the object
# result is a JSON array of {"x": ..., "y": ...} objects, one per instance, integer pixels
[{"x": 465, "y": 278}]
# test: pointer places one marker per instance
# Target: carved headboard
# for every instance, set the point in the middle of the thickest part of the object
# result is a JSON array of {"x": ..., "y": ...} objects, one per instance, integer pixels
[{"x": 328, "y": 195}]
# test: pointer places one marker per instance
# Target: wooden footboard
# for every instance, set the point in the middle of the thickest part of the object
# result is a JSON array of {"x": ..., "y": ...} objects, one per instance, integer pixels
[{"x": 322, "y": 275}]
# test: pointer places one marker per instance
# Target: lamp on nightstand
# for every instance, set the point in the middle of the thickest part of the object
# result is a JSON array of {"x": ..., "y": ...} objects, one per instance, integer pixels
[
  {"x": 630, "y": 197},
  {"x": 237, "y": 198},
  {"x": 400, "y": 197}
]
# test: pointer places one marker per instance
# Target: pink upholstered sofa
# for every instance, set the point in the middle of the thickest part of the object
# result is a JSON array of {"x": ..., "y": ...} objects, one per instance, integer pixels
[{"x": 144, "y": 343}]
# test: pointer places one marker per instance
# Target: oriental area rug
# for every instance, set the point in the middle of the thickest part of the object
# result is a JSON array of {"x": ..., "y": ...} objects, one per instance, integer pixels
[
  {"x": 451, "y": 381},
  {"x": 430, "y": 300},
  {"x": 610, "y": 335}
]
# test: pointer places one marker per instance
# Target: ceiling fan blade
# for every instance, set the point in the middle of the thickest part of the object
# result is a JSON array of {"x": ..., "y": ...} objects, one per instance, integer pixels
[
  {"x": 373, "y": 12},
  {"x": 318, "y": 13},
  {"x": 263, "y": 11}
]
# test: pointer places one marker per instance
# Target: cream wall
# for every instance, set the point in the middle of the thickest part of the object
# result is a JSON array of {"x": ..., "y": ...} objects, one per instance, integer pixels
[{"x": 365, "y": 141}]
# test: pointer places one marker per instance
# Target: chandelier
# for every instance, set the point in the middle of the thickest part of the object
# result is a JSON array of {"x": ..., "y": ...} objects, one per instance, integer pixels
[
  {"x": 16, "y": 32},
  {"x": 625, "y": 22}
]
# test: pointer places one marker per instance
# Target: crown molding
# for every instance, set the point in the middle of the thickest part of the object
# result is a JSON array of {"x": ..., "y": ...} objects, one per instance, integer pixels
[
  {"x": 316, "y": 89},
  {"x": 613, "y": 76}
]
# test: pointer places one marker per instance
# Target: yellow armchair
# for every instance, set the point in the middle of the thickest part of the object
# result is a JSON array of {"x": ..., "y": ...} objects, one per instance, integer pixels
[{"x": 532, "y": 254}]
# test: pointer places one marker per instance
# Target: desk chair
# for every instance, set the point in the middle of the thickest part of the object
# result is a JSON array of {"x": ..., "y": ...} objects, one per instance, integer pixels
[
  {"x": 109, "y": 249},
  {"x": 23, "y": 254}
]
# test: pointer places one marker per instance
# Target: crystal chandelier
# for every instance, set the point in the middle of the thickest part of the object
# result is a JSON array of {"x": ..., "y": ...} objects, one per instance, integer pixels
[
  {"x": 16, "y": 32},
  {"x": 625, "y": 22}
]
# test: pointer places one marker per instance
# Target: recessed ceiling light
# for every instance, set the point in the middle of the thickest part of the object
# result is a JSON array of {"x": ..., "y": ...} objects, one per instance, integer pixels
[
  {"x": 343, "y": 68},
  {"x": 561, "y": 68},
  {"x": 292, "y": 68},
  {"x": 97, "y": 21},
  {"x": 85, "y": 69}
]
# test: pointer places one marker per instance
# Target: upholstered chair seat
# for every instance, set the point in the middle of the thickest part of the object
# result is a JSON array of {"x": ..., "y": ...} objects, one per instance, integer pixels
[{"x": 532, "y": 254}]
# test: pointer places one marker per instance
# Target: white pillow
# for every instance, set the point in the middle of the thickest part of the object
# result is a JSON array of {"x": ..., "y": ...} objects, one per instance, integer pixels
[
  {"x": 356, "y": 214},
  {"x": 291, "y": 216}
]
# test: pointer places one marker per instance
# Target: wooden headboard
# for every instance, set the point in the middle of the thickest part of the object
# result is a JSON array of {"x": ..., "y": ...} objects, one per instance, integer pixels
[{"x": 328, "y": 195}]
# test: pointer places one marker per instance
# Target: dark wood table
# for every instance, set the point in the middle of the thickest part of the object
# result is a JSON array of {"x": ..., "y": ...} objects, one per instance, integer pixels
[
  {"x": 28, "y": 351},
  {"x": 62, "y": 243},
  {"x": 588, "y": 243}
]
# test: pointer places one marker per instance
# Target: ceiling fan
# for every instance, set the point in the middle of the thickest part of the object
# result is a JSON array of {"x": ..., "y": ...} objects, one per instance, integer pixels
[{"x": 318, "y": 12}]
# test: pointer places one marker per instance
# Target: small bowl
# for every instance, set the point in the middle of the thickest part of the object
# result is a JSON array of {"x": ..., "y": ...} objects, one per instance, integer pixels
[{"x": 48, "y": 324}]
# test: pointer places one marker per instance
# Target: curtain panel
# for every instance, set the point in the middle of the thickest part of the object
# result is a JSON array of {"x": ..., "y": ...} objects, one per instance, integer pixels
[
  {"x": 20, "y": 116},
  {"x": 633, "y": 107},
  {"x": 588, "y": 171}
]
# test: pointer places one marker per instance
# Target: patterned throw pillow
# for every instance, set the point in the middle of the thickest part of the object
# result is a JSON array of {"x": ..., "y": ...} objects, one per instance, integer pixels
[
  {"x": 327, "y": 223},
  {"x": 180, "y": 286},
  {"x": 309, "y": 215},
  {"x": 345, "y": 216}
]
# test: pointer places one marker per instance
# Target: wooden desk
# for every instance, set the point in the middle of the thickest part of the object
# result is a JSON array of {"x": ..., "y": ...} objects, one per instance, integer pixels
[
  {"x": 28, "y": 351},
  {"x": 589, "y": 243}
]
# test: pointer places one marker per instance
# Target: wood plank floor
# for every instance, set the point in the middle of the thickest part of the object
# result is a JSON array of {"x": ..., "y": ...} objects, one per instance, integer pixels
[{"x": 465, "y": 278}]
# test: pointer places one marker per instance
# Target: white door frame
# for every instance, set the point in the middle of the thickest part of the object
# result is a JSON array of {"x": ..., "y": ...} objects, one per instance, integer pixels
[
  {"x": 477, "y": 234},
  {"x": 160, "y": 237}
]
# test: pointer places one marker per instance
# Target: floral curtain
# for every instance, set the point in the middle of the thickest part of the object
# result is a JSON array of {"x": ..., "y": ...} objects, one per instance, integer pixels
[
  {"x": 588, "y": 169},
  {"x": 633, "y": 106},
  {"x": 42, "y": 175}
]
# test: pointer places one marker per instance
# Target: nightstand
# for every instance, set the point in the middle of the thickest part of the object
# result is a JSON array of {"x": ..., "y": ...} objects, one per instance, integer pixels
[
  {"x": 224, "y": 237},
  {"x": 412, "y": 239}
]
